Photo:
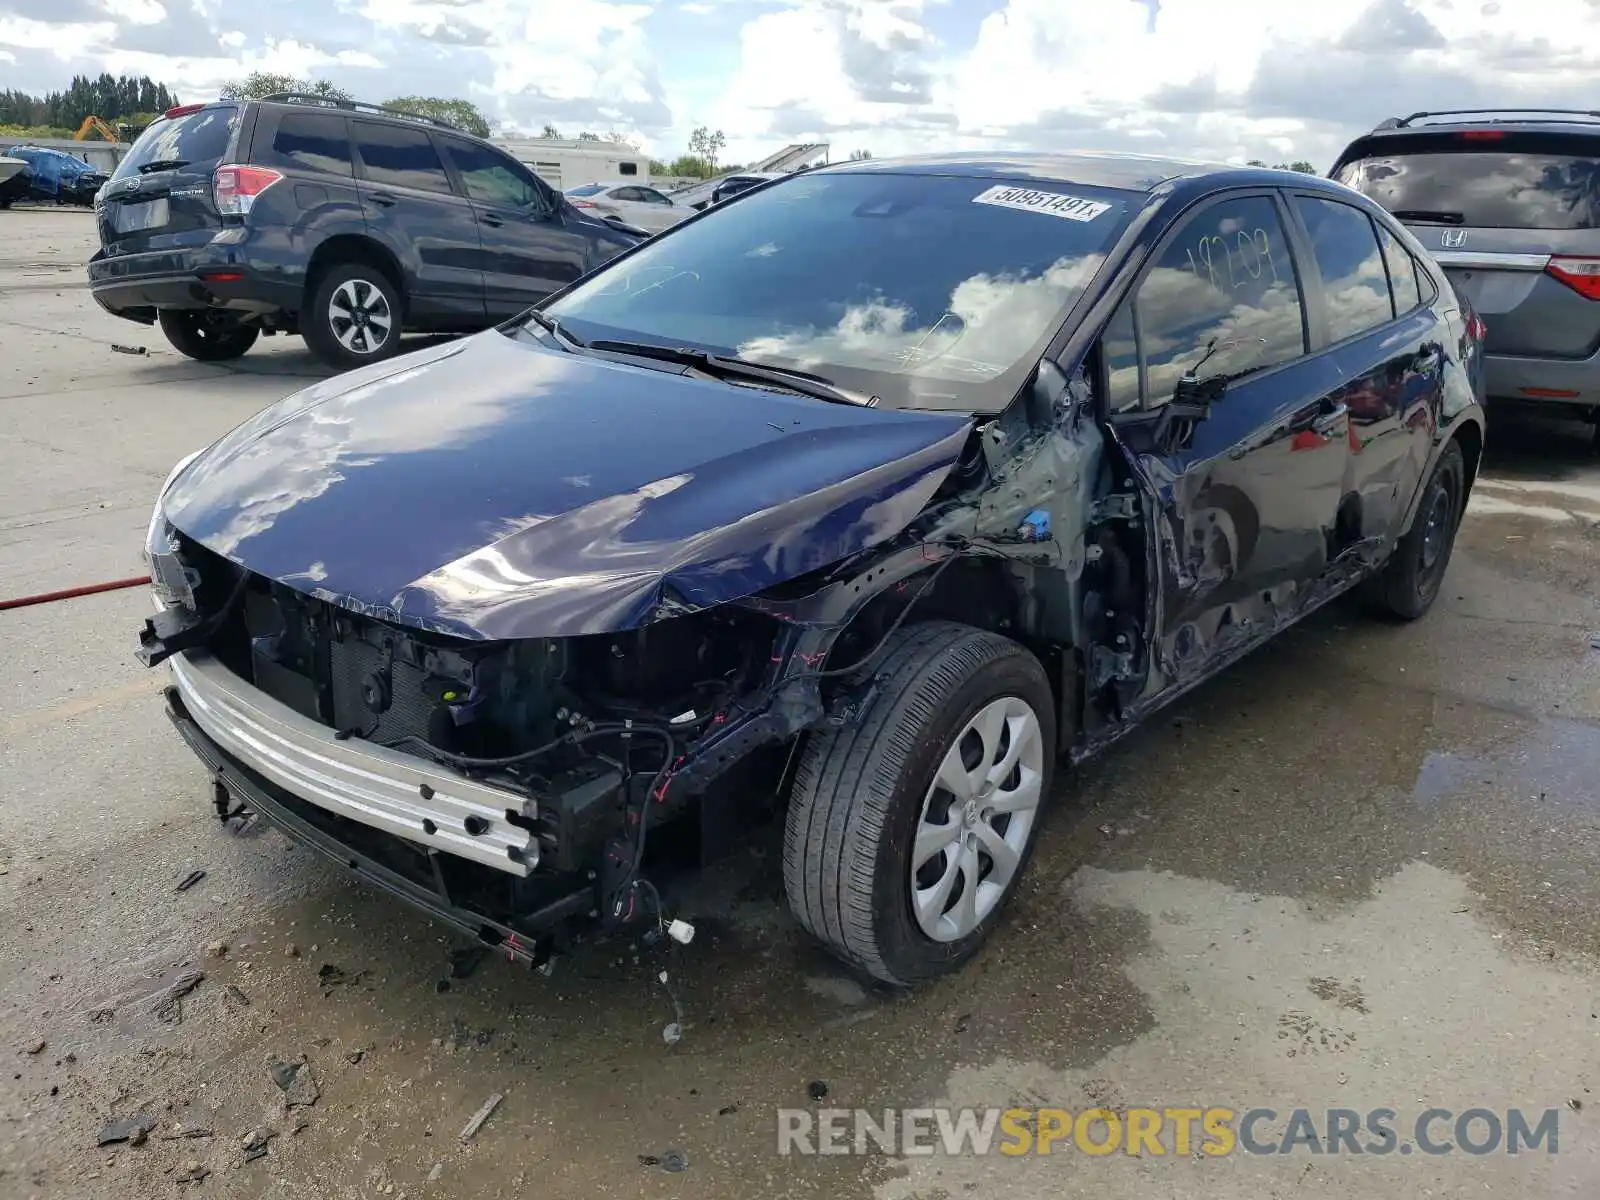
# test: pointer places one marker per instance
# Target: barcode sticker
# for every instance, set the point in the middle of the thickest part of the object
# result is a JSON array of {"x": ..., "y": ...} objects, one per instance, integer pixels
[{"x": 1052, "y": 204}]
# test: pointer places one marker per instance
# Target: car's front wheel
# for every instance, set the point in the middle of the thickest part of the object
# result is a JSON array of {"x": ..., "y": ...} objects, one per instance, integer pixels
[
  {"x": 1409, "y": 583},
  {"x": 908, "y": 831},
  {"x": 354, "y": 316},
  {"x": 207, "y": 334}
]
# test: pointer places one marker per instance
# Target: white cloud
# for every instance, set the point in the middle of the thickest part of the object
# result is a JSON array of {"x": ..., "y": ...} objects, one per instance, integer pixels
[{"x": 1212, "y": 78}]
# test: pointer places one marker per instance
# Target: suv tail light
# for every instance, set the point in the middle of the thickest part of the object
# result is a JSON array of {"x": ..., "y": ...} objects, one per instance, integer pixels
[
  {"x": 1476, "y": 329},
  {"x": 1582, "y": 275},
  {"x": 235, "y": 188}
]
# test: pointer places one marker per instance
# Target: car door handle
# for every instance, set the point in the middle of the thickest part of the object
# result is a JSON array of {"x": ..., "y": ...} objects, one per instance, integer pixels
[
  {"x": 382, "y": 199},
  {"x": 1328, "y": 421},
  {"x": 491, "y": 220}
]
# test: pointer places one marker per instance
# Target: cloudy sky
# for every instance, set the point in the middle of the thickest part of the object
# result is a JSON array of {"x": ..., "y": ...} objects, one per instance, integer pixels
[{"x": 1218, "y": 78}]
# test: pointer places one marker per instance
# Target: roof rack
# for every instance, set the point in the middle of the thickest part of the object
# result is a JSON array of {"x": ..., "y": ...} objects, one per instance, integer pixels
[
  {"x": 1406, "y": 122},
  {"x": 358, "y": 106}
]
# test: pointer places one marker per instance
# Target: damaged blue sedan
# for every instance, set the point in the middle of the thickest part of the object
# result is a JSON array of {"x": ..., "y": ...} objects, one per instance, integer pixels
[{"x": 865, "y": 502}]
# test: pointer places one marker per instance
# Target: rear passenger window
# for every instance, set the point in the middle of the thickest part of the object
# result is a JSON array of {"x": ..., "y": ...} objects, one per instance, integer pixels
[
  {"x": 1402, "y": 272},
  {"x": 1354, "y": 279},
  {"x": 394, "y": 156},
  {"x": 1224, "y": 284},
  {"x": 314, "y": 142}
]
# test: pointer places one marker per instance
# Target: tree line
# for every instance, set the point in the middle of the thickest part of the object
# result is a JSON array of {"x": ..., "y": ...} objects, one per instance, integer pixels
[{"x": 113, "y": 98}]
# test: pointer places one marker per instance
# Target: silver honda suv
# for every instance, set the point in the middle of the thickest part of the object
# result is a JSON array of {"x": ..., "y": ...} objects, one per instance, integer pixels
[{"x": 1508, "y": 201}]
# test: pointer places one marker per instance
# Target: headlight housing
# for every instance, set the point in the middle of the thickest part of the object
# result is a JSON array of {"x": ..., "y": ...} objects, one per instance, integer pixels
[{"x": 172, "y": 582}]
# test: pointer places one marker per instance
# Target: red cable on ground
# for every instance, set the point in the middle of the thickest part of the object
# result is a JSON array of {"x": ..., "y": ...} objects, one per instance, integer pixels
[{"x": 69, "y": 593}]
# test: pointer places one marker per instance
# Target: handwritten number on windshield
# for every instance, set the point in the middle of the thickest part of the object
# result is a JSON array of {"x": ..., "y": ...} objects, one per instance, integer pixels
[{"x": 1215, "y": 254}]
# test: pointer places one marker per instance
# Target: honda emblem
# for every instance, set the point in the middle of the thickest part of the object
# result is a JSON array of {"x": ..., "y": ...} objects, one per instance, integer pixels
[{"x": 1451, "y": 238}]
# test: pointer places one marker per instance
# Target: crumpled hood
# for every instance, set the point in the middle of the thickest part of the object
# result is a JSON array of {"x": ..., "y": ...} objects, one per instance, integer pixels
[{"x": 490, "y": 488}]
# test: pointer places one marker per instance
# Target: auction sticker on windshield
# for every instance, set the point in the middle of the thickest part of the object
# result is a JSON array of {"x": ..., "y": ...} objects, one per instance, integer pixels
[{"x": 1054, "y": 204}]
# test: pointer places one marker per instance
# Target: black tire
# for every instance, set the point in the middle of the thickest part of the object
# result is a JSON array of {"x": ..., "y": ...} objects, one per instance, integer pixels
[
  {"x": 859, "y": 795},
  {"x": 1409, "y": 582},
  {"x": 352, "y": 288},
  {"x": 207, "y": 334}
]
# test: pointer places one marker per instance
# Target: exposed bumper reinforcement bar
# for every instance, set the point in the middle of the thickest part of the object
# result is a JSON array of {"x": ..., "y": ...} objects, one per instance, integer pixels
[
  {"x": 398, "y": 793},
  {"x": 525, "y": 945}
]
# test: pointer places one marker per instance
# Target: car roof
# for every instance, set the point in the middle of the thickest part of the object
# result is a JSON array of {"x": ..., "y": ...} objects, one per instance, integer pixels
[
  {"x": 1421, "y": 126},
  {"x": 1126, "y": 172}
]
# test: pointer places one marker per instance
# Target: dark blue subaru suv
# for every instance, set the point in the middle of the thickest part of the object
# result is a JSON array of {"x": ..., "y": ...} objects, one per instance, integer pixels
[
  {"x": 871, "y": 497},
  {"x": 342, "y": 222}
]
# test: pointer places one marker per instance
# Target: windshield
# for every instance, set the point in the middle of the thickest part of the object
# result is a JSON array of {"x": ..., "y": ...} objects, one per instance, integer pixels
[
  {"x": 927, "y": 291},
  {"x": 1498, "y": 189},
  {"x": 587, "y": 189},
  {"x": 198, "y": 139}
]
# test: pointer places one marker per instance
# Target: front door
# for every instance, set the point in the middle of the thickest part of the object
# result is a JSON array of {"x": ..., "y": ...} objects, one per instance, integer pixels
[
  {"x": 528, "y": 250},
  {"x": 1245, "y": 484}
]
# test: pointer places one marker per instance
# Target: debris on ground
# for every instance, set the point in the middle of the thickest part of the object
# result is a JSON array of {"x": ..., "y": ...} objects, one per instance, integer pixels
[
  {"x": 667, "y": 1160},
  {"x": 292, "y": 950},
  {"x": 438, "y": 1170},
  {"x": 442, "y": 986},
  {"x": 727, "y": 1110},
  {"x": 169, "y": 1009},
  {"x": 36, "y": 1047},
  {"x": 355, "y": 1056},
  {"x": 330, "y": 978},
  {"x": 465, "y": 961},
  {"x": 189, "y": 880},
  {"x": 234, "y": 996},
  {"x": 481, "y": 1116},
  {"x": 255, "y": 1143},
  {"x": 817, "y": 1089},
  {"x": 193, "y": 1172},
  {"x": 137, "y": 351},
  {"x": 295, "y": 1081},
  {"x": 132, "y": 1130},
  {"x": 99, "y": 1016},
  {"x": 216, "y": 949}
]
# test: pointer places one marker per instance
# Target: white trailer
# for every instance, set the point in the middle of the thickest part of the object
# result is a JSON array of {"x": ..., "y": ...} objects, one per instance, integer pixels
[{"x": 565, "y": 163}]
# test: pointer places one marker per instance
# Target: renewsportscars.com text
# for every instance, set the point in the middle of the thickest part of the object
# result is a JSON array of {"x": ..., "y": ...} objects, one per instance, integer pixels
[{"x": 1212, "y": 1132}]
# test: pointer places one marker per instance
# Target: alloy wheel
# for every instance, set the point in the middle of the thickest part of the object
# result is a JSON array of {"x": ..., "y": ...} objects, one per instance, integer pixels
[{"x": 360, "y": 317}]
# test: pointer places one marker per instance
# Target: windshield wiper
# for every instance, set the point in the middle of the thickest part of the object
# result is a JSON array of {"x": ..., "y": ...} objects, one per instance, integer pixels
[
  {"x": 722, "y": 366},
  {"x": 162, "y": 164},
  {"x": 1436, "y": 216},
  {"x": 553, "y": 327}
]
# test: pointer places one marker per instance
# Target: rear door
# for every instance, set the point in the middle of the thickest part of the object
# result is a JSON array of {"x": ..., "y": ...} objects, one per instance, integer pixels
[
  {"x": 528, "y": 249},
  {"x": 1499, "y": 208},
  {"x": 654, "y": 211},
  {"x": 409, "y": 204},
  {"x": 1390, "y": 353},
  {"x": 1247, "y": 489},
  {"x": 160, "y": 196}
]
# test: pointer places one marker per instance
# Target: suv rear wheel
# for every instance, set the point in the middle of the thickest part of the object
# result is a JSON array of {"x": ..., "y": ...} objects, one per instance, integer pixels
[
  {"x": 207, "y": 334},
  {"x": 354, "y": 316},
  {"x": 907, "y": 832}
]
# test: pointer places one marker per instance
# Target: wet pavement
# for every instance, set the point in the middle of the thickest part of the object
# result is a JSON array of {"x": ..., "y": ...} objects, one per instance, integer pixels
[{"x": 1357, "y": 871}]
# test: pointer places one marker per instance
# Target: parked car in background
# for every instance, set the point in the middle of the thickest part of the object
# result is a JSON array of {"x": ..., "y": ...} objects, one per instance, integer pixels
[
  {"x": 734, "y": 185},
  {"x": 885, "y": 487},
  {"x": 54, "y": 176},
  {"x": 1508, "y": 202},
  {"x": 636, "y": 205},
  {"x": 342, "y": 222}
]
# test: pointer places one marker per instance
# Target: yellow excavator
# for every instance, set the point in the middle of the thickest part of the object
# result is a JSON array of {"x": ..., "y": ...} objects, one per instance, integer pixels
[{"x": 93, "y": 124}]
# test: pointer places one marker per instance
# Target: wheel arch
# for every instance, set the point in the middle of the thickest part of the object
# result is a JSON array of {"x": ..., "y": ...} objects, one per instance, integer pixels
[{"x": 352, "y": 248}]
